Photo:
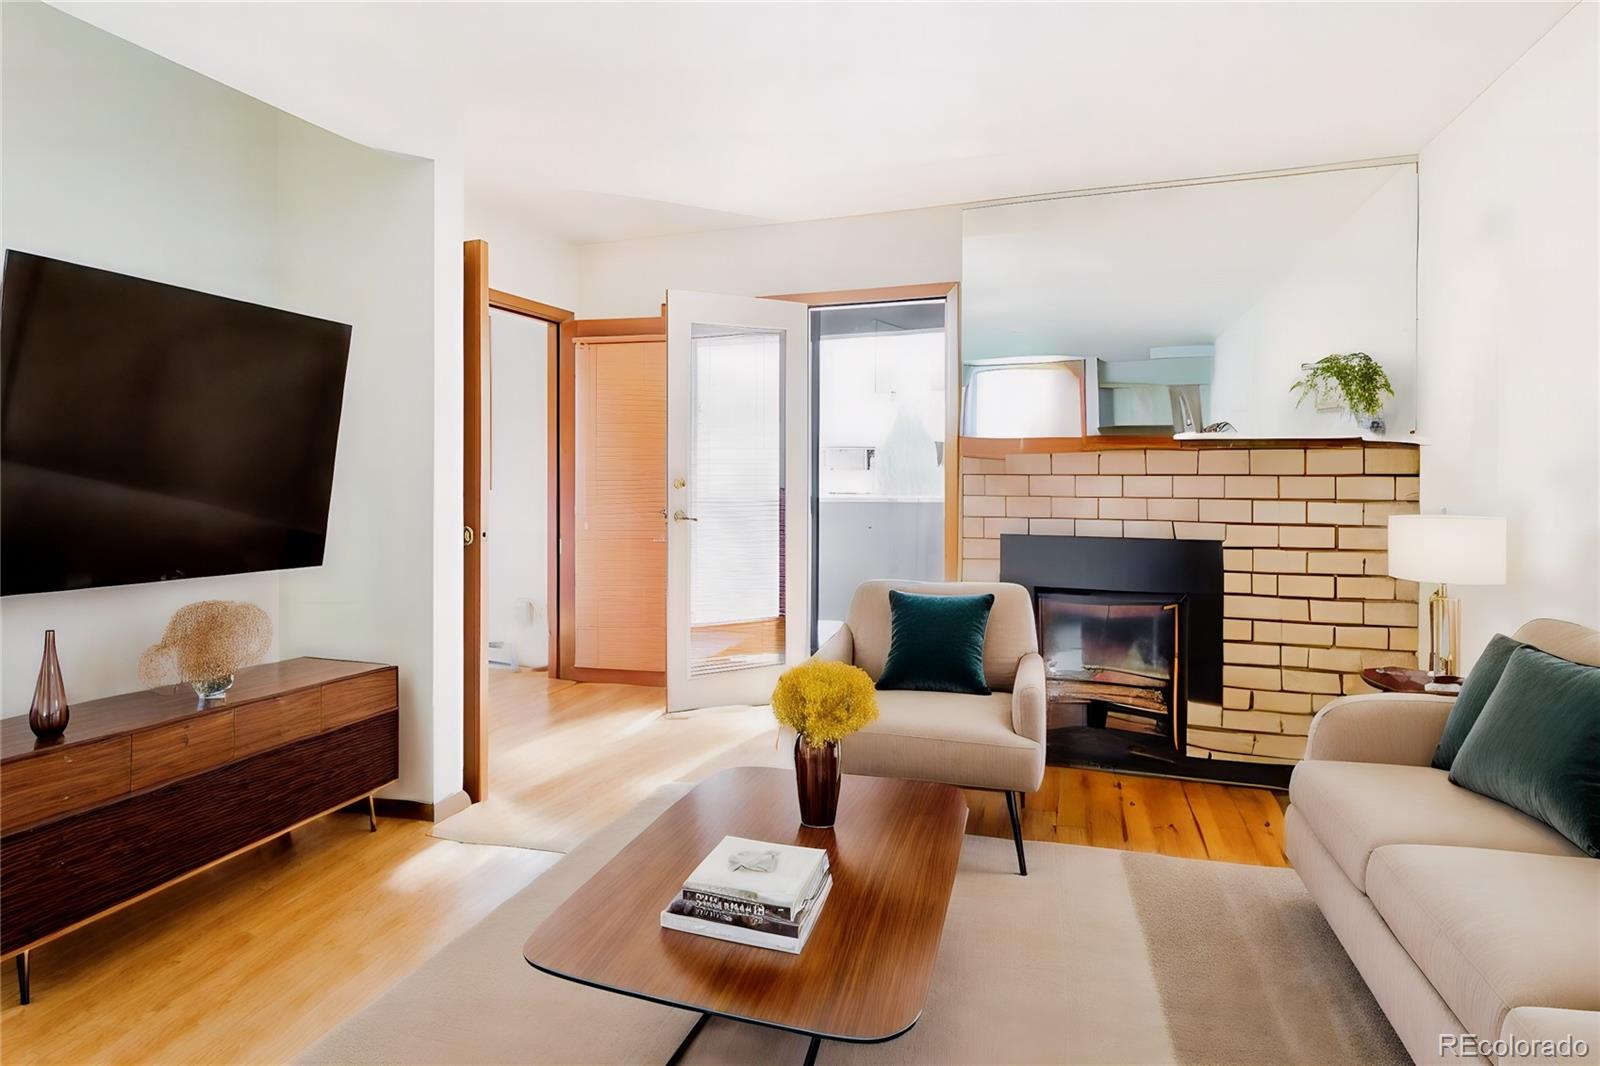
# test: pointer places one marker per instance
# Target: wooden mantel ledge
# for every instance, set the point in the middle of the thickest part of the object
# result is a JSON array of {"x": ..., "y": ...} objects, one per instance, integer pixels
[{"x": 999, "y": 447}]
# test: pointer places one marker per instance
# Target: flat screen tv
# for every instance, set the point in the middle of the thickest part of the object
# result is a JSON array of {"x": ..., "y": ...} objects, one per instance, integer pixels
[{"x": 150, "y": 432}]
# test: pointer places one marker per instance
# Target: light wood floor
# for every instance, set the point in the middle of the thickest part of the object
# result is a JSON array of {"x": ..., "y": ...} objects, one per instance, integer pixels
[
  {"x": 565, "y": 760},
  {"x": 252, "y": 961},
  {"x": 1190, "y": 819}
]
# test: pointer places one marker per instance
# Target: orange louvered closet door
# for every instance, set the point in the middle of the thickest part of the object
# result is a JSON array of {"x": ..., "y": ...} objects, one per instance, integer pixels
[{"x": 613, "y": 536}]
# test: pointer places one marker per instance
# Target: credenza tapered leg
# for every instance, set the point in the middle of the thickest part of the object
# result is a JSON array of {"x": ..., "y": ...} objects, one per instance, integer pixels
[
  {"x": 372, "y": 814},
  {"x": 22, "y": 977}
]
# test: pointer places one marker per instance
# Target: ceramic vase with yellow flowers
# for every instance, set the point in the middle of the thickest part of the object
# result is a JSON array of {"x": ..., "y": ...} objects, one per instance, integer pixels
[{"x": 823, "y": 702}]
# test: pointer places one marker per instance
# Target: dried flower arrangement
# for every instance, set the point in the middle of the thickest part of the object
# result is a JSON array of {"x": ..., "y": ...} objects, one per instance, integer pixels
[
  {"x": 824, "y": 701},
  {"x": 205, "y": 643}
]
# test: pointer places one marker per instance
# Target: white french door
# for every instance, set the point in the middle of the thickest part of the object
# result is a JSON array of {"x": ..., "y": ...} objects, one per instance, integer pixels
[{"x": 738, "y": 496}]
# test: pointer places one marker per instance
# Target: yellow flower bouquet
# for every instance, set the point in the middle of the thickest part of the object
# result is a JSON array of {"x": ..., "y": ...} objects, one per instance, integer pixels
[{"x": 823, "y": 702}]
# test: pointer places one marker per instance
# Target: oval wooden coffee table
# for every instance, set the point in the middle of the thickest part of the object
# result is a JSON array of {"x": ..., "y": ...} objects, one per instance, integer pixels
[{"x": 862, "y": 977}]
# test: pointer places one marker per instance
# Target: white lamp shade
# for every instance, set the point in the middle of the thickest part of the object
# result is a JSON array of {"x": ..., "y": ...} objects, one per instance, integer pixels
[{"x": 1448, "y": 549}]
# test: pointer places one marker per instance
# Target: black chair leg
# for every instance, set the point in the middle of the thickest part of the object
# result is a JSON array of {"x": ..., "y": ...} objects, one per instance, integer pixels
[{"x": 1012, "y": 803}]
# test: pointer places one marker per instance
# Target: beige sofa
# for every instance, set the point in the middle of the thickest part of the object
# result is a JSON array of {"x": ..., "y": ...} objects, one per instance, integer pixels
[
  {"x": 992, "y": 742},
  {"x": 1464, "y": 915}
]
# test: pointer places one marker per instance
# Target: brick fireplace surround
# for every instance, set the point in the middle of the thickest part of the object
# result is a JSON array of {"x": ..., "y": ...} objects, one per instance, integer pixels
[{"x": 1303, "y": 525}]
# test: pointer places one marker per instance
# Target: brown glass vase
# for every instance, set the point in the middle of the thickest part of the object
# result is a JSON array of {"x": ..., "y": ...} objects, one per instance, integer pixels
[
  {"x": 816, "y": 776},
  {"x": 49, "y": 713}
]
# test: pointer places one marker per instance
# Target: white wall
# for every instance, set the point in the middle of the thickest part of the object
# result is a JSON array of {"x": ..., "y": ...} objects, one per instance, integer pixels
[
  {"x": 1355, "y": 290},
  {"x": 1509, "y": 370},
  {"x": 525, "y": 259},
  {"x": 355, "y": 243},
  {"x": 627, "y": 278},
  {"x": 115, "y": 157},
  {"x": 448, "y": 435},
  {"x": 517, "y": 504}
]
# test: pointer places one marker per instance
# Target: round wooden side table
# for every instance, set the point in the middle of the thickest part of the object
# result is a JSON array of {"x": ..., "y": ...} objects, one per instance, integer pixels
[{"x": 1401, "y": 679}]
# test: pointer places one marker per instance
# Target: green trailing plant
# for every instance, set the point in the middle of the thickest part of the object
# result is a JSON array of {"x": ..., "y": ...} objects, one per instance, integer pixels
[{"x": 1355, "y": 378}]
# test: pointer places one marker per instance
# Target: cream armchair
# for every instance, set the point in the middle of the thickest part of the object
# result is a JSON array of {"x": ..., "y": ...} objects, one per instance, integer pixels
[{"x": 991, "y": 742}]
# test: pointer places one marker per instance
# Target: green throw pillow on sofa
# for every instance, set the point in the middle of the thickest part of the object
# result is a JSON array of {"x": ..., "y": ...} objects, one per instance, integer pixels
[
  {"x": 936, "y": 643},
  {"x": 1474, "y": 694},
  {"x": 1536, "y": 746}
]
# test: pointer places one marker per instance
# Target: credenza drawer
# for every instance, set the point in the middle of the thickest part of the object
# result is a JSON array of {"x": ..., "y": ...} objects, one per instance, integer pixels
[
  {"x": 174, "y": 751},
  {"x": 361, "y": 697},
  {"x": 267, "y": 724},
  {"x": 68, "y": 870},
  {"x": 44, "y": 786}
]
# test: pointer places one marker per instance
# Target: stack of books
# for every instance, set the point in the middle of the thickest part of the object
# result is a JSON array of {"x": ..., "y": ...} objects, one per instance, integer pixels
[{"x": 751, "y": 892}]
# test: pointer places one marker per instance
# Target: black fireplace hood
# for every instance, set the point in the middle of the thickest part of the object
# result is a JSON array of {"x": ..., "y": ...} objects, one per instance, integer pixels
[{"x": 1191, "y": 569}]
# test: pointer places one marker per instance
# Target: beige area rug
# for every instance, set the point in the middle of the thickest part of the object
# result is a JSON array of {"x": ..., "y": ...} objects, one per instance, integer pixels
[{"x": 1098, "y": 956}]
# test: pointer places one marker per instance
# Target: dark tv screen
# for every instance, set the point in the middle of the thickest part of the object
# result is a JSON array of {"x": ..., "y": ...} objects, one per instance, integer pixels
[{"x": 150, "y": 432}]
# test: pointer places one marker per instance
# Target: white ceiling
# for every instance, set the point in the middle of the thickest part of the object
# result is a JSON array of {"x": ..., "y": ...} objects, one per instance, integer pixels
[{"x": 610, "y": 121}]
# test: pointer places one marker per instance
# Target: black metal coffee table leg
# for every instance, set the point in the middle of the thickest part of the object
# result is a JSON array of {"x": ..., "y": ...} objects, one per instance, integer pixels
[{"x": 683, "y": 1045}]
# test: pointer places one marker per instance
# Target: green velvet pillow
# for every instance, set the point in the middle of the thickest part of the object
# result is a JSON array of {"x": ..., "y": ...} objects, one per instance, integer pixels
[
  {"x": 936, "y": 643},
  {"x": 1474, "y": 694},
  {"x": 1536, "y": 746}
]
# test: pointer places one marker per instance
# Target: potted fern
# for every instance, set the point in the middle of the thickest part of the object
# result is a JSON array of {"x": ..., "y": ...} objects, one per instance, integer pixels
[{"x": 1354, "y": 379}]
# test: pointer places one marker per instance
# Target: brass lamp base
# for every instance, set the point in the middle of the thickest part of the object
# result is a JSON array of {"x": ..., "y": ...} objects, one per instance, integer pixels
[{"x": 1444, "y": 626}]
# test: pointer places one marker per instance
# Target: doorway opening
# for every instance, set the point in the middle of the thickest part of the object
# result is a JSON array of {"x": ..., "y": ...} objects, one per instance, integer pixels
[
  {"x": 882, "y": 399},
  {"x": 516, "y": 492},
  {"x": 509, "y": 449}
]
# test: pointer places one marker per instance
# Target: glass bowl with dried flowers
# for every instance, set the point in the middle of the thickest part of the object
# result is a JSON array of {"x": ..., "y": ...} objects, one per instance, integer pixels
[
  {"x": 204, "y": 644},
  {"x": 823, "y": 702}
]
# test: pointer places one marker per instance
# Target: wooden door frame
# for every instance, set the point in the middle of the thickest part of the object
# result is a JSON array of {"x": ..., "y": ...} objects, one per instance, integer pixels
[
  {"x": 950, "y": 292},
  {"x": 564, "y": 631},
  {"x": 478, "y": 300}
]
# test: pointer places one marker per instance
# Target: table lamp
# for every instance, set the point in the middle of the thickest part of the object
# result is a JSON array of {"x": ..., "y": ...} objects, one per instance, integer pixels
[{"x": 1447, "y": 549}]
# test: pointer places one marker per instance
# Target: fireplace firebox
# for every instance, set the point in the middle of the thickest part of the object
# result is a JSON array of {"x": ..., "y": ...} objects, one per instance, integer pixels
[
  {"x": 1131, "y": 633},
  {"x": 1115, "y": 651}
]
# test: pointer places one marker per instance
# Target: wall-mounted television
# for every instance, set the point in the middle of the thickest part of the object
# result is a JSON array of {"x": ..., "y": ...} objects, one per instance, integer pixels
[{"x": 150, "y": 432}]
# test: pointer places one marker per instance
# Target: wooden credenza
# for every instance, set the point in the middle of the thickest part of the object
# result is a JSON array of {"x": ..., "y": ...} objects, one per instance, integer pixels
[{"x": 147, "y": 788}]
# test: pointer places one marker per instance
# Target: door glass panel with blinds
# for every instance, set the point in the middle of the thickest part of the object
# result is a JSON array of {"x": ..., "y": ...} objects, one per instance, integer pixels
[
  {"x": 736, "y": 608},
  {"x": 737, "y": 467}
]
